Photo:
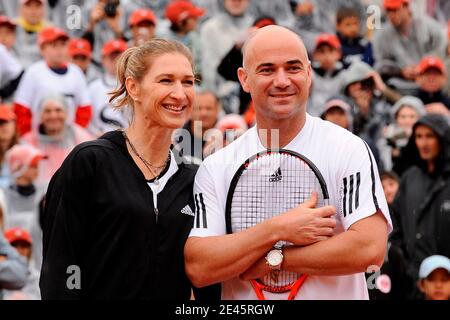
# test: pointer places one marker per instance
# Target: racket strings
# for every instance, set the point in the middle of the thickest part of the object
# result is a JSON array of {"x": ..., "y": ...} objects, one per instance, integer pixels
[{"x": 270, "y": 185}]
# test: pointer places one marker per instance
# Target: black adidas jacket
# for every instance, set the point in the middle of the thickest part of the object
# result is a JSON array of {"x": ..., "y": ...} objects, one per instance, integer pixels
[{"x": 99, "y": 216}]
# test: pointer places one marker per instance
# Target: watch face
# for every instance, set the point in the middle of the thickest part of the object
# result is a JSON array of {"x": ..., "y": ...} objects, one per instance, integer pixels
[{"x": 275, "y": 258}]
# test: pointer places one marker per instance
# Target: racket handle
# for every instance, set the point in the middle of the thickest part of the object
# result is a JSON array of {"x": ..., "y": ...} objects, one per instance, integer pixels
[
  {"x": 296, "y": 286},
  {"x": 257, "y": 290}
]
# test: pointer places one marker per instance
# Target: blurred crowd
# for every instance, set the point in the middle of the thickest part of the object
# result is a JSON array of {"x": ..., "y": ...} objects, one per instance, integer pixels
[{"x": 380, "y": 69}]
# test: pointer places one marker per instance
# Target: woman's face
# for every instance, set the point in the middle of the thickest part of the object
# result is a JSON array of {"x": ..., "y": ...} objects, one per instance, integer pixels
[
  {"x": 406, "y": 117},
  {"x": 166, "y": 94}
]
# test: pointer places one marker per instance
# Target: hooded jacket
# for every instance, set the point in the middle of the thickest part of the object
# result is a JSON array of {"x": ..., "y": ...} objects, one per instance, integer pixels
[
  {"x": 421, "y": 209},
  {"x": 99, "y": 219}
]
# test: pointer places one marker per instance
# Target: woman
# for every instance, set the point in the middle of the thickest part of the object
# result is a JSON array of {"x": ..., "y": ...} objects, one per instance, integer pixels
[
  {"x": 55, "y": 136},
  {"x": 120, "y": 208}
]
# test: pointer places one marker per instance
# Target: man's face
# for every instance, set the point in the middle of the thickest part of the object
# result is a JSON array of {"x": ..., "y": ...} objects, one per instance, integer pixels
[
  {"x": 437, "y": 285},
  {"x": 206, "y": 110},
  {"x": 277, "y": 74},
  {"x": 427, "y": 143},
  {"x": 7, "y": 36},
  {"x": 432, "y": 80},
  {"x": 55, "y": 53},
  {"x": 109, "y": 62},
  {"x": 327, "y": 56},
  {"x": 23, "y": 248},
  {"x": 53, "y": 117},
  {"x": 7, "y": 130},
  {"x": 33, "y": 12},
  {"x": 349, "y": 27},
  {"x": 398, "y": 17},
  {"x": 143, "y": 31},
  {"x": 236, "y": 7}
]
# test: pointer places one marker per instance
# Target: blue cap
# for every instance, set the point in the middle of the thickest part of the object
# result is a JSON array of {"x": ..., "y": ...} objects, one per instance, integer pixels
[{"x": 432, "y": 263}]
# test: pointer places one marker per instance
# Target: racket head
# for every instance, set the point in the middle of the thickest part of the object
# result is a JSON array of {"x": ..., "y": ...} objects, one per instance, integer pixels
[{"x": 268, "y": 184}]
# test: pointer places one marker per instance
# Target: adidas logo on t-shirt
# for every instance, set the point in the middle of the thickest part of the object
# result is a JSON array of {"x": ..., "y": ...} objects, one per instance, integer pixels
[{"x": 187, "y": 210}]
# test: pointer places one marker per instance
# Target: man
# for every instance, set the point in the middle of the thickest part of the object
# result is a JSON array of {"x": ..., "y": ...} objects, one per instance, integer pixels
[
  {"x": 192, "y": 139},
  {"x": 13, "y": 269},
  {"x": 53, "y": 74},
  {"x": 422, "y": 205},
  {"x": 142, "y": 23},
  {"x": 404, "y": 40},
  {"x": 105, "y": 118},
  {"x": 277, "y": 73},
  {"x": 80, "y": 52},
  {"x": 30, "y": 22}
]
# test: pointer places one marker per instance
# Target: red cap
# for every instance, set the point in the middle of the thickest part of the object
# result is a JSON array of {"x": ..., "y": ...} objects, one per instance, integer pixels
[
  {"x": 179, "y": 10},
  {"x": 430, "y": 62},
  {"x": 113, "y": 46},
  {"x": 18, "y": 234},
  {"x": 141, "y": 15},
  {"x": 6, "y": 113},
  {"x": 51, "y": 34},
  {"x": 80, "y": 47},
  {"x": 26, "y": 1},
  {"x": 4, "y": 20},
  {"x": 394, "y": 4},
  {"x": 328, "y": 38}
]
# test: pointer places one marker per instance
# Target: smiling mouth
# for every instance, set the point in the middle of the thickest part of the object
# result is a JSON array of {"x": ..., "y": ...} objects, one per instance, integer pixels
[
  {"x": 174, "y": 108},
  {"x": 282, "y": 95}
]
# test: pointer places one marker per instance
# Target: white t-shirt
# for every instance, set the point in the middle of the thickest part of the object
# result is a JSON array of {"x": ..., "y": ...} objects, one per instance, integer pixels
[
  {"x": 39, "y": 82},
  {"x": 10, "y": 67},
  {"x": 104, "y": 117},
  {"x": 339, "y": 155}
]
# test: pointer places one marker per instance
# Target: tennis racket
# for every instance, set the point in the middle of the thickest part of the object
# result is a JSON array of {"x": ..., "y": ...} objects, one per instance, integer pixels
[{"x": 266, "y": 185}]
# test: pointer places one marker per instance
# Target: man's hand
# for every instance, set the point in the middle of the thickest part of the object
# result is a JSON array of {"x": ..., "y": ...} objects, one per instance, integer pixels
[
  {"x": 409, "y": 73},
  {"x": 306, "y": 224},
  {"x": 97, "y": 14},
  {"x": 379, "y": 83},
  {"x": 256, "y": 271},
  {"x": 114, "y": 22},
  {"x": 3, "y": 258},
  {"x": 438, "y": 108}
]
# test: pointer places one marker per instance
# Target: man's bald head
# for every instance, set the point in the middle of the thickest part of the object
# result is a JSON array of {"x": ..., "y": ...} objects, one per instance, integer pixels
[{"x": 274, "y": 36}]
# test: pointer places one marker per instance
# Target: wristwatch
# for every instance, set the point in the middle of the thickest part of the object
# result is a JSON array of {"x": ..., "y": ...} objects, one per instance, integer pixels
[{"x": 274, "y": 259}]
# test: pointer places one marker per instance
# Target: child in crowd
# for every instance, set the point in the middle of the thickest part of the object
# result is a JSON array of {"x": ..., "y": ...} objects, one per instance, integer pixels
[{"x": 434, "y": 278}]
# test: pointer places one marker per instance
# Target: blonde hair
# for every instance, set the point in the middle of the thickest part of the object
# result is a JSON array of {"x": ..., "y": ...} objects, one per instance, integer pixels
[{"x": 136, "y": 61}]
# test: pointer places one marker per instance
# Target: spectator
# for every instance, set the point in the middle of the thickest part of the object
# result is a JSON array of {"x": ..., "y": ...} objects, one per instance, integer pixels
[
  {"x": 157, "y": 6},
  {"x": 52, "y": 75},
  {"x": 280, "y": 10},
  {"x": 328, "y": 75},
  {"x": 142, "y": 23},
  {"x": 434, "y": 278},
  {"x": 205, "y": 114},
  {"x": 218, "y": 35},
  {"x": 233, "y": 61},
  {"x": 228, "y": 129},
  {"x": 80, "y": 52},
  {"x": 7, "y": 32},
  {"x": 368, "y": 95},
  {"x": 447, "y": 61},
  {"x": 404, "y": 40},
  {"x": 30, "y": 23},
  {"x": 13, "y": 269},
  {"x": 10, "y": 69},
  {"x": 184, "y": 16},
  {"x": 338, "y": 111},
  {"x": 390, "y": 182},
  {"x": 421, "y": 207},
  {"x": 22, "y": 241},
  {"x": 431, "y": 79},
  {"x": 22, "y": 196},
  {"x": 8, "y": 138},
  {"x": 354, "y": 46},
  {"x": 107, "y": 21},
  {"x": 405, "y": 113},
  {"x": 313, "y": 17},
  {"x": 55, "y": 135},
  {"x": 105, "y": 118}
]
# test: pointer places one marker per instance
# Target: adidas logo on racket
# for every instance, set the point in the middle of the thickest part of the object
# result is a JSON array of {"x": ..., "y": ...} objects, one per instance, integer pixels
[{"x": 277, "y": 176}]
